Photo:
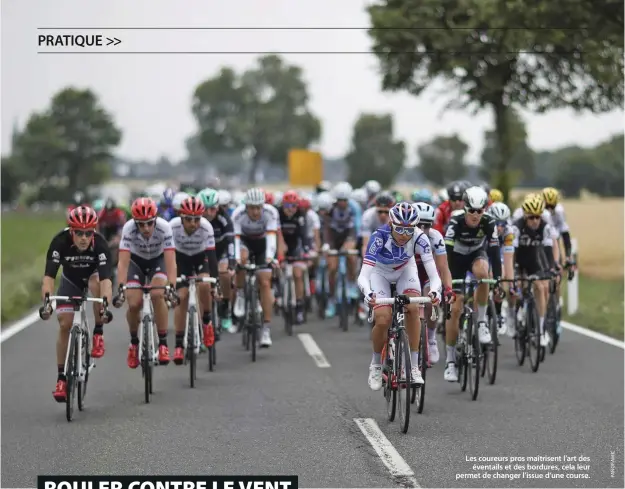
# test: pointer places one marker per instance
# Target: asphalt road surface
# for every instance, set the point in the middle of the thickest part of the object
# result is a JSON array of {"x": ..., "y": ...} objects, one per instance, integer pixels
[{"x": 286, "y": 415}]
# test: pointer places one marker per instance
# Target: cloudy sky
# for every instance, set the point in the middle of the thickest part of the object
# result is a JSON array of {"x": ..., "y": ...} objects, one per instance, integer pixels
[{"x": 150, "y": 94}]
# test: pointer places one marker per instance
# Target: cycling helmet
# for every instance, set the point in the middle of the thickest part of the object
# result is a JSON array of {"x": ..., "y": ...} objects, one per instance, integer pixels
[
  {"x": 372, "y": 187},
  {"x": 192, "y": 206},
  {"x": 422, "y": 195},
  {"x": 209, "y": 197},
  {"x": 384, "y": 199},
  {"x": 290, "y": 197},
  {"x": 342, "y": 191},
  {"x": 110, "y": 204},
  {"x": 82, "y": 217},
  {"x": 455, "y": 191},
  {"x": 443, "y": 195},
  {"x": 360, "y": 195},
  {"x": 168, "y": 196},
  {"x": 224, "y": 197},
  {"x": 304, "y": 204},
  {"x": 98, "y": 205},
  {"x": 254, "y": 196},
  {"x": 551, "y": 196},
  {"x": 425, "y": 211},
  {"x": 404, "y": 214},
  {"x": 475, "y": 198},
  {"x": 269, "y": 198},
  {"x": 496, "y": 195},
  {"x": 533, "y": 204},
  {"x": 277, "y": 198},
  {"x": 500, "y": 211},
  {"x": 143, "y": 209},
  {"x": 325, "y": 200},
  {"x": 178, "y": 198},
  {"x": 323, "y": 186}
]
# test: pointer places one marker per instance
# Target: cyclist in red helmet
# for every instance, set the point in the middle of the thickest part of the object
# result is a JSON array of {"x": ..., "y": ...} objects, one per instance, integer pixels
[
  {"x": 194, "y": 239},
  {"x": 146, "y": 254},
  {"x": 86, "y": 261}
]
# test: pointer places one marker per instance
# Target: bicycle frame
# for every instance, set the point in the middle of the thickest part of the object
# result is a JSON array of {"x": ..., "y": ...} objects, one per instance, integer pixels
[{"x": 192, "y": 306}]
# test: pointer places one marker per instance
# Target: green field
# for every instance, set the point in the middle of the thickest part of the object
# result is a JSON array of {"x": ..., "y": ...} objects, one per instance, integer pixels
[{"x": 25, "y": 240}]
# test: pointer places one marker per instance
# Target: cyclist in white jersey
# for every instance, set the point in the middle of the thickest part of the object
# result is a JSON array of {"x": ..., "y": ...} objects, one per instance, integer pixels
[
  {"x": 375, "y": 217},
  {"x": 194, "y": 240},
  {"x": 146, "y": 252},
  {"x": 256, "y": 225},
  {"x": 390, "y": 258}
]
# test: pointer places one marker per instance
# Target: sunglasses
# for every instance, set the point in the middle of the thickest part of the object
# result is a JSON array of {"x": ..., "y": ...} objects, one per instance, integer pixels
[
  {"x": 401, "y": 230},
  {"x": 532, "y": 217},
  {"x": 146, "y": 224},
  {"x": 383, "y": 212},
  {"x": 289, "y": 205},
  {"x": 83, "y": 234},
  {"x": 475, "y": 211}
]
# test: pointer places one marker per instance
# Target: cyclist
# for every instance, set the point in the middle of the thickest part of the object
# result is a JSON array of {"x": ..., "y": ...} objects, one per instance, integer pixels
[
  {"x": 361, "y": 197},
  {"x": 389, "y": 259},
  {"x": 375, "y": 217},
  {"x": 535, "y": 252},
  {"x": 341, "y": 226},
  {"x": 495, "y": 195},
  {"x": 146, "y": 251},
  {"x": 111, "y": 220},
  {"x": 313, "y": 227},
  {"x": 225, "y": 202},
  {"x": 453, "y": 203},
  {"x": 426, "y": 219},
  {"x": 179, "y": 197},
  {"x": 373, "y": 188},
  {"x": 86, "y": 261},
  {"x": 466, "y": 251},
  {"x": 255, "y": 229},
  {"x": 423, "y": 195},
  {"x": 224, "y": 250},
  {"x": 165, "y": 207},
  {"x": 195, "y": 255}
]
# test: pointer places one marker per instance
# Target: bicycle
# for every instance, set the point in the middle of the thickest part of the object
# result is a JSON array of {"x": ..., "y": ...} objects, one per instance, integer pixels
[
  {"x": 341, "y": 282},
  {"x": 527, "y": 323},
  {"x": 78, "y": 361},
  {"x": 192, "y": 331},
  {"x": 147, "y": 348},
  {"x": 469, "y": 352},
  {"x": 396, "y": 362},
  {"x": 251, "y": 317},
  {"x": 490, "y": 351},
  {"x": 424, "y": 359},
  {"x": 553, "y": 313},
  {"x": 322, "y": 287},
  {"x": 289, "y": 299}
]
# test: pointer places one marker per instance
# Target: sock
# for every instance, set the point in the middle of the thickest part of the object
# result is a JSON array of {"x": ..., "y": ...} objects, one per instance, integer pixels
[
  {"x": 481, "y": 313},
  {"x": 61, "y": 372},
  {"x": 134, "y": 339},
  {"x": 206, "y": 318},
  {"x": 431, "y": 335},
  {"x": 179, "y": 340},
  {"x": 162, "y": 339},
  {"x": 451, "y": 354},
  {"x": 542, "y": 325},
  {"x": 376, "y": 359},
  {"x": 98, "y": 329},
  {"x": 414, "y": 357}
]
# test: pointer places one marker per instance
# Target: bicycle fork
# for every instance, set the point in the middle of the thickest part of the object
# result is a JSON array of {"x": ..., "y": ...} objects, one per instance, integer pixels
[
  {"x": 147, "y": 312},
  {"x": 192, "y": 308}
]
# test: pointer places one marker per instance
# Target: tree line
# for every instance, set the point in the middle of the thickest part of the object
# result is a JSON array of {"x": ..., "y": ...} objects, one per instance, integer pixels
[{"x": 497, "y": 56}]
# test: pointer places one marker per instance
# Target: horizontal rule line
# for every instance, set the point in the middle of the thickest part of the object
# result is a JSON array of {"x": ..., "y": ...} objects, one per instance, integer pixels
[
  {"x": 558, "y": 53},
  {"x": 231, "y": 28}
]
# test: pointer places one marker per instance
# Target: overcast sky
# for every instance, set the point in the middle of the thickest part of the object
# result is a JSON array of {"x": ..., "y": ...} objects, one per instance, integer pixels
[{"x": 149, "y": 94}]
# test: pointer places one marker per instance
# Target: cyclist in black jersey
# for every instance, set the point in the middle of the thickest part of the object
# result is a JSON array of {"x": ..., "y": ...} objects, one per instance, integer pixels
[
  {"x": 86, "y": 261},
  {"x": 464, "y": 240},
  {"x": 295, "y": 236},
  {"x": 535, "y": 252}
]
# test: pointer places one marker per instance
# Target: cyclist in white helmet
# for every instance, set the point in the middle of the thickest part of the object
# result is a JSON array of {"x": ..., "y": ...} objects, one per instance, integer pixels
[
  {"x": 361, "y": 197},
  {"x": 256, "y": 225},
  {"x": 178, "y": 199},
  {"x": 225, "y": 201}
]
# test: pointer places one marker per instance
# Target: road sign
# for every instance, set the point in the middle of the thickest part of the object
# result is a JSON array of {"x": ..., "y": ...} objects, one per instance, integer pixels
[{"x": 305, "y": 167}]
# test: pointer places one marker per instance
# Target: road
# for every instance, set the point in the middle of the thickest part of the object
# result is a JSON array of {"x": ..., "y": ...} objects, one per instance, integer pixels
[{"x": 285, "y": 415}]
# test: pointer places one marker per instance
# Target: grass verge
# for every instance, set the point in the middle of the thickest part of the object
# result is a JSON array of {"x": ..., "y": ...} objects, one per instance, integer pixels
[
  {"x": 600, "y": 306},
  {"x": 25, "y": 241}
]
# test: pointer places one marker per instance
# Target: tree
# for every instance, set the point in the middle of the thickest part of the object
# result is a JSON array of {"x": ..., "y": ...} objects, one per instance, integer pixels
[
  {"x": 442, "y": 159},
  {"x": 500, "y": 53},
  {"x": 263, "y": 112},
  {"x": 374, "y": 154},
  {"x": 9, "y": 183},
  {"x": 521, "y": 163},
  {"x": 71, "y": 141}
]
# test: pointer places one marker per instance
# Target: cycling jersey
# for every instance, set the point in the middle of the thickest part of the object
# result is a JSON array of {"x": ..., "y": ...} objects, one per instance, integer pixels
[
  {"x": 256, "y": 234},
  {"x": 534, "y": 247},
  {"x": 294, "y": 232},
  {"x": 438, "y": 248},
  {"x": 467, "y": 244},
  {"x": 194, "y": 249},
  {"x": 385, "y": 262},
  {"x": 341, "y": 224},
  {"x": 147, "y": 249},
  {"x": 442, "y": 217},
  {"x": 313, "y": 223},
  {"x": 166, "y": 212},
  {"x": 224, "y": 236}
]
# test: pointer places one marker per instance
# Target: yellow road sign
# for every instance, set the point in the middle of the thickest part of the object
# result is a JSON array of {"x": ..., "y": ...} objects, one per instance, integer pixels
[{"x": 305, "y": 167}]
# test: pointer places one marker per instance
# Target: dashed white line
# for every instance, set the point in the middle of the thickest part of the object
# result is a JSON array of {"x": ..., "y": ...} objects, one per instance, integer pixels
[
  {"x": 313, "y": 350},
  {"x": 394, "y": 462}
]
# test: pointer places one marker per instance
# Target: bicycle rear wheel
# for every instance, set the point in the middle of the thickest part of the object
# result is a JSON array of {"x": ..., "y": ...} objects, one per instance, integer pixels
[
  {"x": 344, "y": 312},
  {"x": 520, "y": 338},
  {"x": 419, "y": 391},
  {"x": 71, "y": 374},
  {"x": 85, "y": 360},
  {"x": 403, "y": 370},
  {"x": 533, "y": 335},
  {"x": 321, "y": 294},
  {"x": 146, "y": 357},
  {"x": 551, "y": 320},
  {"x": 491, "y": 352},
  {"x": 473, "y": 361},
  {"x": 254, "y": 324},
  {"x": 287, "y": 309},
  {"x": 191, "y": 357}
]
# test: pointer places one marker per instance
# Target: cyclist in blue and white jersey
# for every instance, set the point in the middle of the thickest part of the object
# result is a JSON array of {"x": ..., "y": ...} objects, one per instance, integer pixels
[
  {"x": 390, "y": 259},
  {"x": 341, "y": 227},
  {"x": 166, "y": 205}
]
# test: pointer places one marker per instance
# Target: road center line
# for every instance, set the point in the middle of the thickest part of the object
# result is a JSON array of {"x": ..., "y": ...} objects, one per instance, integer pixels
[
  {"x": 313, "y": 350},
  {"x": 397, "y": 466}
]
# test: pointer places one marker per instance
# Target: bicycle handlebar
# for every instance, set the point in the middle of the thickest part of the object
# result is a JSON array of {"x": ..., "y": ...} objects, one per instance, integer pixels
[
  {"x": 474, "y": 281},
  {"x": 343, "y": 252},
  {"x": 206, "y": 280},
  {"x": 403, "y": 299},
  {"x": 101, "y": 300}
]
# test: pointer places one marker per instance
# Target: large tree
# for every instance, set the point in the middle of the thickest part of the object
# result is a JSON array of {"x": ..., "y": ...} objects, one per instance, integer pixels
[
  {"x": 494, "y": 54},
  {"x": 263, "y": 112},
  {"x": 443, "y": 159},
  {"x": 374, "y": 154}
]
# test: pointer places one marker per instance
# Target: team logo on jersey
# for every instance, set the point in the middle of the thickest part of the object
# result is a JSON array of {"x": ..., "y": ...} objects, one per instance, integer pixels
[
  {"x": 425, "y": 246},
  {"x": 439, "y": 244},
  {"x": 376, "y": 244}
]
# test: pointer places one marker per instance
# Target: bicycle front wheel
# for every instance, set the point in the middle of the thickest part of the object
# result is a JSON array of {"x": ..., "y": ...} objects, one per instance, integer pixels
[
  {"x": 146, "y": 357},
  {"x": 491, "y": 352},
  {"x": 419, "y": 391},
  {"x": 71, "y": 374},
  {"x": 191, "y": 357},
  {"x": 403, "y": 370},
  {"x": 85, "y": 361},
  {"x": 551, "y": 320},
  {"x": 389, "y": 380},
  {"x": 533, "y": 336},
  {"x": 473, "y": 362}
]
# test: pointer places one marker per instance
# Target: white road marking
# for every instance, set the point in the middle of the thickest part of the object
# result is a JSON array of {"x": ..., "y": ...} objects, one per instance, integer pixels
[
  {"x": 394, "y": 462},
  {"x": 592, "y": 334},
  {"x": 20, "y": 325},
  {"x": 313, "y": 350}
]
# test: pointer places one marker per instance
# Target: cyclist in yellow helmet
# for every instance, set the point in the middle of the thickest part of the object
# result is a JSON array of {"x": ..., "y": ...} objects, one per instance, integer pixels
[{"x": 496, "y": 195}]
